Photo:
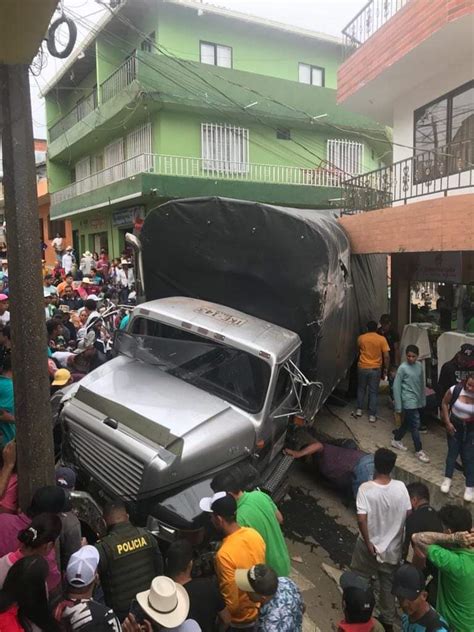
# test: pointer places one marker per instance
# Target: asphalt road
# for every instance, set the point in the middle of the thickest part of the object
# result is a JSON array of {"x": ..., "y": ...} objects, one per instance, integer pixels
[{"x": 320, "y": 531}]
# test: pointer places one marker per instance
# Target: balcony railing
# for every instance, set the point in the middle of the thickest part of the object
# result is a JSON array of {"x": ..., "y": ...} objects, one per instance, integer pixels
[
  {"x": 430, "y": 172},
  {"x": 369, "y": 19},
  {"x": 84, "y": 107},
  {"x": 185, "y": 166},
  {"x": 120, "y": 79}
]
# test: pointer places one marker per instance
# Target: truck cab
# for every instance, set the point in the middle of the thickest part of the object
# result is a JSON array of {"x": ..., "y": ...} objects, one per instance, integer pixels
[{"x": 194, "y": 388}]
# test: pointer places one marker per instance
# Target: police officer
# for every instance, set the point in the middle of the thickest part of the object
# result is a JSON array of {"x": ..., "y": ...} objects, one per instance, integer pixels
[{"x": 129, "y": 559}]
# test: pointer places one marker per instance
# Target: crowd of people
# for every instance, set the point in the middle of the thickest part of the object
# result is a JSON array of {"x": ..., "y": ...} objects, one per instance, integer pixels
[
  {"x": 84, "y": 303},
  {"x": 126, "y": 582},
  {"x": 379, "y": 358}
]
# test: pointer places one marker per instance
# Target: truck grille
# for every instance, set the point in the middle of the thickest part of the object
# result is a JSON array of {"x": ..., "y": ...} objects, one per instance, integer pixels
[{"x": 117, "y": 470}]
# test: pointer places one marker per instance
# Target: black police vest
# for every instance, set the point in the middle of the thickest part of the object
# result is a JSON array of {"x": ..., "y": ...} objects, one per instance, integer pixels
[{"x": 131, "y": 565}]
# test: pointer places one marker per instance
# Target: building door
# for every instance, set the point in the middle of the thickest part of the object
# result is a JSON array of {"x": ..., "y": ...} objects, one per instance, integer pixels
[
  {"x": 99, "y": 241},
  {"x": 75, "y": 243}
]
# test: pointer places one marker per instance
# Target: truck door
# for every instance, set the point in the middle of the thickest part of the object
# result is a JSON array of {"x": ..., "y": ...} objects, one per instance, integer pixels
[{"x": 281, "y": 405}]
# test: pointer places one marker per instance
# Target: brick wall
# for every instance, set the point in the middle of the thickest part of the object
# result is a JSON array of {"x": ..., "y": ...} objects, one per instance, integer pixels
[
  {"x": 442, "y": 224},
  {"x": 414, "y": 23}
]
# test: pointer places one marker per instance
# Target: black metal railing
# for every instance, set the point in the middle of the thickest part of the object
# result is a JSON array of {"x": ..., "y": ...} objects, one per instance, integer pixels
[
  {"x": 369, "y": 19},
  {"x": 82, "y": 108},
  {"x": 448, "y": 168}
]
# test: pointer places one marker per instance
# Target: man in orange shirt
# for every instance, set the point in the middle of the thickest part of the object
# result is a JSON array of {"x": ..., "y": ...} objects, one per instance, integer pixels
[
  {"x": 242, "y": 547},
  {"x": 373, "y": 351}
]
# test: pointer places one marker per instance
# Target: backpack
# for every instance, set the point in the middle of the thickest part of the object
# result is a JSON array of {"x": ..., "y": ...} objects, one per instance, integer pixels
[{"x": 456, "y": 392}]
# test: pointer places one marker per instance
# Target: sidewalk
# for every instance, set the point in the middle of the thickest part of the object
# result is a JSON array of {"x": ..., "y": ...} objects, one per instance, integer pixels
[{"x": 337, "y": 422}]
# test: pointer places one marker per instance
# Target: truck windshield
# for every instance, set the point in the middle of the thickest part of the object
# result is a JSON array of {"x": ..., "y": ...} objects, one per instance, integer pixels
[{"x": 237, "y": 376}]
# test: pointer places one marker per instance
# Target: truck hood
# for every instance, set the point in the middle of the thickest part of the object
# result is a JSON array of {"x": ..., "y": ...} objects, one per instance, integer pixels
[{"x": 125, "y": 385}]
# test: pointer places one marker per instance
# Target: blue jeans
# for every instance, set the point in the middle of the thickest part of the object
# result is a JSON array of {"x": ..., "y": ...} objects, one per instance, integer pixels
[
  {"x": 461, "y": 443},
  {"x": 368, "y": 379},
  {"x": 362, "y": 472},
  {"x": 411, "y": 422}
]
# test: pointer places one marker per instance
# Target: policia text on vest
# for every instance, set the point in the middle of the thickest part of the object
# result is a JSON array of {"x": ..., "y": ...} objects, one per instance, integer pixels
[{"x": 129, "y": 560}]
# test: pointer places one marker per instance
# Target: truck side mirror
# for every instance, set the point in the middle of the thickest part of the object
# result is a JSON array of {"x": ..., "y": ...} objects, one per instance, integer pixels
[{"x": 312, "y": 396}]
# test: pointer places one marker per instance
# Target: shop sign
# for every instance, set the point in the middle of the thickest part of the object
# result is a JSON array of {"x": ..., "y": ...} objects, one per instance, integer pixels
[
  {"x": 445, "y": 267},
  {"x": 128, "y": 216}
]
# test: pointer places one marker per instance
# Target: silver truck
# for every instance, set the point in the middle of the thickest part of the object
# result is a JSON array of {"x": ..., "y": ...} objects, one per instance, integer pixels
[{"x": 198, "y": 385}]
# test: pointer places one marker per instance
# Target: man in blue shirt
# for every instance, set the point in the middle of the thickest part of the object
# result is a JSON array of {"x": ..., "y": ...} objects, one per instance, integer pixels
[
  {"x": 409, "y": 397},
  {"x": 418, "y": 615}
]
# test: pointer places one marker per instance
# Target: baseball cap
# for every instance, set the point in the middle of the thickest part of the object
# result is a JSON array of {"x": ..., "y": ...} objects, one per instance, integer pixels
[
  {"x": 466, "y": 349},
  {"x": 61, "y": 377},
  {"x": 222, "y": 504},
  {"x": 3, "y": 297},
  {"x": 408, "y": 582},
  {"x": 358, "y": 596},
  {"x": 94, "y": 297},
  {"x": 82, "y": 566},
  {"x": 260, "y": 579},
  {"x": 66, "y": 477}
]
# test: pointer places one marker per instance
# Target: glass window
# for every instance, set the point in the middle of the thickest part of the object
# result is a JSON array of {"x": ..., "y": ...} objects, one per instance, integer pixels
[
  {"x": 236, "y": 376},
  {"x": 216, "y": 55},
  {"x": 444, "y": 135},
  {"x": 282, "y": 388},
  {"x": 313, "y": 75},
  {"x": 208, "y": 54}
]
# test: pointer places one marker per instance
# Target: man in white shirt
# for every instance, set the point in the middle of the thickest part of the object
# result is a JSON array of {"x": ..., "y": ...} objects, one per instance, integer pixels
[
  {"x": 4, "y": 313},
  {"x": 67, "y": 260},
  {"x": 383, "y": 505},
  {"x": 57, "y": 244},
  {"x": 125, "y": 279},
  {"x": 48, "y": 287}
]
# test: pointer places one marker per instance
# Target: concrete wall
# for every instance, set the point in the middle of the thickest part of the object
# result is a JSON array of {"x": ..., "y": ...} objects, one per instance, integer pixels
[{"x": 254, "y": 48}]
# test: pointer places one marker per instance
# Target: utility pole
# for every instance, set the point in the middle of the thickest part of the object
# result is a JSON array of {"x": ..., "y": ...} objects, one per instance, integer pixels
[{"x": 35, "y": 453}]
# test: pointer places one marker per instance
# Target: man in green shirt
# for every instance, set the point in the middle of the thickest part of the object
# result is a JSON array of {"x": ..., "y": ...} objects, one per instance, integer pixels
[
  {"x": 409, "y": 397},
  {"x": 452, "y": 552},
  {"x": 257, "y": 510}
]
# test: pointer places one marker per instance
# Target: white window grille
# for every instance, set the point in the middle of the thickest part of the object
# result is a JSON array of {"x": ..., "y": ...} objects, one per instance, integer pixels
[
  {"x": 216, "y": 55},
  {"x": 138, "y": 150},
  {"x": 114, "y": 161},
  {"x": 313, "y": 75},
  {"x": 346, "y": 156},
  {"x": 82, "y": 170},
  {"x": 224, "y": 148}
]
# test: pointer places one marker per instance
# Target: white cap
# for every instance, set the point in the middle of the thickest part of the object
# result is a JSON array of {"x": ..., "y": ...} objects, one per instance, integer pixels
[
  {"x": 82, "y": 566},
  {"x": 94, "y": 297},
  {"x": 205, "y": 504}
]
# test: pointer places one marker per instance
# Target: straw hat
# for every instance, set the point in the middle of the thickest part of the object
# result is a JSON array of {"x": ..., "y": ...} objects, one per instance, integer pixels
[{"x": 167, "y": 602}]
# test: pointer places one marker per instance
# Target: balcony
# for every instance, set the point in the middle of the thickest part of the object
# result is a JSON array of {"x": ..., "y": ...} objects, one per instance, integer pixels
[
  {"x": 429, "y": 173},
  {"x": 113, "y": 85},
  {"x": 368, "y": 21},
  {"x": 199, "y": 168},
  {"x": 84, "y": 107}
]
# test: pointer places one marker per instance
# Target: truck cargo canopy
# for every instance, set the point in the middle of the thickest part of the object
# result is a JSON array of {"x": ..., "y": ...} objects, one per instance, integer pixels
[{"x": 291, "y": 267}]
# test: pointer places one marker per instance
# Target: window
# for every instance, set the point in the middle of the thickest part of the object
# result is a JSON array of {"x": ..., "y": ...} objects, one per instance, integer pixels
[
  {"x": 148, "y": 44},
  {"x": 224, "y": 148},
  {"x": 313, "y": 75},
  {"x": 236, "y": 376},
  {"x": 138, "y": 150},
  {"x": 444, "y": 135},
  {"x": 346, "y": 156},
  {"x": 283, "y": 134},
  {"x": 216, "y": 55},
  {"x": 55, "y": 227},
  {"x": 83, "y": 168},
  {"x": 282, "y": 388}
]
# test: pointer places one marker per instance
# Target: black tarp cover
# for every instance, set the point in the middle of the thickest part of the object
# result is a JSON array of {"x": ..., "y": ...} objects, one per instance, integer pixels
[{"x": 288, "y": 266}]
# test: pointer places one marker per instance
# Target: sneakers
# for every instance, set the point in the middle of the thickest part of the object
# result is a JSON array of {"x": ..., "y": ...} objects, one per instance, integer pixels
[
  {"x": 422, "y": 456},
  {"x": 372, "y": 419},
  {"x": 446, "y": 485},
  {"x": 358, "y": 413},
  {"x": 469, "y": 494},
  {"x": 423, "y": 429},
  {"x": 398, "y": 445}
]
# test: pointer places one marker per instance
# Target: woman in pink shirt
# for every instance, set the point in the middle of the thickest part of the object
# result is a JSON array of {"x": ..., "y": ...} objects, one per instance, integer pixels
[{"x": 37, "y": 539}]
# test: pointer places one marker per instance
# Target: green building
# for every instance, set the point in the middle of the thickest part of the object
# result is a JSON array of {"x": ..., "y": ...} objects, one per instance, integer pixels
[{"x": 175, "y": 98}]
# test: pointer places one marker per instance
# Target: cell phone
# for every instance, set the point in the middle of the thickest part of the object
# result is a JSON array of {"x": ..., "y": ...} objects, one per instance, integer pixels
[{"x": 137, "y": 612}]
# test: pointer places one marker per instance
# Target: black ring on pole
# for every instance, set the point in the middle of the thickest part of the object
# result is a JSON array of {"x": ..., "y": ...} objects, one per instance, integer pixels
[{"x": 51, "y": 39}]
